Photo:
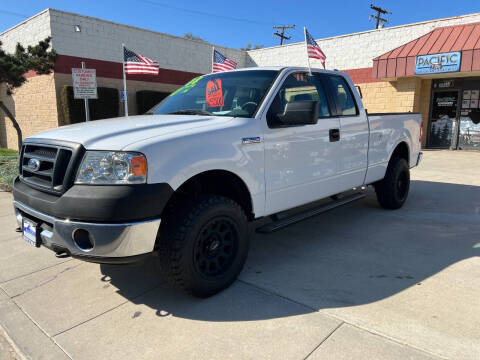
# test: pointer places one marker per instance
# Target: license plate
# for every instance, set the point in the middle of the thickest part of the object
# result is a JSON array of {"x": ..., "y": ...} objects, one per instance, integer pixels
[{"x": 30, "y": 232}]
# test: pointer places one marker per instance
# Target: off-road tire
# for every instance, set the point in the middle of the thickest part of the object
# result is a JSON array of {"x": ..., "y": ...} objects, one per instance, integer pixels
[
  {"x": 392, "y": 191},
  {"x": 183, "y": 231}
]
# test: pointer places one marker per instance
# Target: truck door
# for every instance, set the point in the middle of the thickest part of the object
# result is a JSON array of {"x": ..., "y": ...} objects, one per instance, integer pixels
[
  {"x": 354, "y": 133},
  {"x": 301, "y": 162}
]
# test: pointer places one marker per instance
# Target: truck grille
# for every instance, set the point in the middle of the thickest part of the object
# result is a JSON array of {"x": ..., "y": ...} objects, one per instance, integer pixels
[{"x": 46, "y": 167}]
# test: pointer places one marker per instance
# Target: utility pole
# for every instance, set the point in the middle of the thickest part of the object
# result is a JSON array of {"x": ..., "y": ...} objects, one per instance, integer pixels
[
  {"x": 380, "y": 21},
  {"x": 281, "y": 34}
]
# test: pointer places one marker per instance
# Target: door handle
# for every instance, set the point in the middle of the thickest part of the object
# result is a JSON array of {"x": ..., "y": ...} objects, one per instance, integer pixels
[{"x": 334, "y": 135}]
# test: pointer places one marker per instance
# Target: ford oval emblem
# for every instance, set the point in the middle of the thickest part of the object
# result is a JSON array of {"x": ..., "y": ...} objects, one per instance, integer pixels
[{"x": 34, "y": 164}]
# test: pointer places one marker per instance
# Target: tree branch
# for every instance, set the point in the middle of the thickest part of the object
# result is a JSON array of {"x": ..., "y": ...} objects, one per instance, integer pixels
[{"x": 15, "y": 125}]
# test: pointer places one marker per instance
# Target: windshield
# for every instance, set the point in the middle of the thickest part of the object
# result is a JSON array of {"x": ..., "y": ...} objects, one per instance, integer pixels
[{"x": 221, "y": 94}]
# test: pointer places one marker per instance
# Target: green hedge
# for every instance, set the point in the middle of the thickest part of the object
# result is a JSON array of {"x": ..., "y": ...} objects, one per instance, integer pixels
[
  {"x": 106, "y": 106},
  {"x": 146, "y": 99}
]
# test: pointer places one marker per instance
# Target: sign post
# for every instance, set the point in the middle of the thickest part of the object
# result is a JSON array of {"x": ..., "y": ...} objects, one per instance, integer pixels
[{"x": 85, "y": 86}]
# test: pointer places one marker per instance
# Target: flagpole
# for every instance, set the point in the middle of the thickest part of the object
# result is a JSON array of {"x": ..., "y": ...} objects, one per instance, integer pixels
[
  {"x": 306, "y": 48},
  {"x": 125, "y": 95},
  {"x": 213, "y": 55}
]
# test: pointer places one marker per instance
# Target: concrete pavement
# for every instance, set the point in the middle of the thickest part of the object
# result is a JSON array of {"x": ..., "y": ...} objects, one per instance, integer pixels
[{"x": 358, "y": 282}]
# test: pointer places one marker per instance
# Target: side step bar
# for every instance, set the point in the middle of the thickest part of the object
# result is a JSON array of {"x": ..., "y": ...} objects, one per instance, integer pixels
[{"x": 289, "y": 220}]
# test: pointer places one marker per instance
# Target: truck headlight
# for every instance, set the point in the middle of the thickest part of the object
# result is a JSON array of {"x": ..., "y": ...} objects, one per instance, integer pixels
[{"x": 112, "y": 167}]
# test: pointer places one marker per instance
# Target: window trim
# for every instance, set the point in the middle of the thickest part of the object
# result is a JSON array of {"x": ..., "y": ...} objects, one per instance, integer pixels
[{"x": 339, "y": 112}]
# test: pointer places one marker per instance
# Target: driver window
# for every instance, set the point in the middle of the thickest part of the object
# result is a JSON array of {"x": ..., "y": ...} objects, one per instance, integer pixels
[{"x": 299, "y": 86}]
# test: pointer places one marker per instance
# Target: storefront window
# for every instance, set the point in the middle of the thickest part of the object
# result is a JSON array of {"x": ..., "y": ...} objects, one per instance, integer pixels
[{"x": 469, "y": 132}]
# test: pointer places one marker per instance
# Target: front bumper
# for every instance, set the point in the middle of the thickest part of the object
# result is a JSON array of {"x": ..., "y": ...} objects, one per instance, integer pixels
[{"x": 112, "y": 242}]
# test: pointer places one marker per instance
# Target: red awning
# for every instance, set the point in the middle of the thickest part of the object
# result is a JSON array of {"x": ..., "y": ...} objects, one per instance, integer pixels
[{"x": 400, "y": 62}]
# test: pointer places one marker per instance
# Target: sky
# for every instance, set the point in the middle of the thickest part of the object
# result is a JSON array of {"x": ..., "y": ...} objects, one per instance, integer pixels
[{"x": 235, "y": 24}]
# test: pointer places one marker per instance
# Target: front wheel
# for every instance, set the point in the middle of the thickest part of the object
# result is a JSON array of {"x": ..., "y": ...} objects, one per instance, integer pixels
[
  {"x": 392, "y": 191},
  {"x": 203, "y": 244}
]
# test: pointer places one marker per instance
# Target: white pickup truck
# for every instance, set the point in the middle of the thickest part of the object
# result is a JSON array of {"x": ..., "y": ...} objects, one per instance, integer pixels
[{"x": 184, "y": 181}]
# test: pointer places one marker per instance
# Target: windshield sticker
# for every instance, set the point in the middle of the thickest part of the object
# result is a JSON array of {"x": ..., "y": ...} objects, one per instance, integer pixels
[
  {"x": 188, "y": 86},
  {"x": 214, "y": 94}
]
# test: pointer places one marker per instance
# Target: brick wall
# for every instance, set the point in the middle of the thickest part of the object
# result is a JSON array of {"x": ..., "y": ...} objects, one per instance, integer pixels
[
  {"x": 394, "y": 96},
  {"x": 34, "y": 106}
]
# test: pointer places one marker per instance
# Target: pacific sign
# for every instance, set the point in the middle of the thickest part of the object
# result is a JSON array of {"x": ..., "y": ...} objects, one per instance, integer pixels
[{"x": 438, "y": 63}]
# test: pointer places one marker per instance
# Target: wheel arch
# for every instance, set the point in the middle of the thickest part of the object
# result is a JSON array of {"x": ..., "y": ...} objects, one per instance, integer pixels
[
  {"x": 218, "y": 182},
  {"x": 401, "y": 150}
]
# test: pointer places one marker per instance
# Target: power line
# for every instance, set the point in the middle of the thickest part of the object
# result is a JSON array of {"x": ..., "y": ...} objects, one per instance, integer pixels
[
  {"x": 13, "y": 14},
  {"x": 281, "y": 34},
  {"x": 380, "y": 21},
  {"x": 197, "y": 12}
]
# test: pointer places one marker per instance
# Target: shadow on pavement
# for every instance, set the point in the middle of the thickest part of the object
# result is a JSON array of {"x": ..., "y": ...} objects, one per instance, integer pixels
[{"x": 350, "y": 256}]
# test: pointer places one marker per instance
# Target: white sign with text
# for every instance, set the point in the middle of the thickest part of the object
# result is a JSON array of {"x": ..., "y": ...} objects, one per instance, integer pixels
[{"x": 84, "y": 83}]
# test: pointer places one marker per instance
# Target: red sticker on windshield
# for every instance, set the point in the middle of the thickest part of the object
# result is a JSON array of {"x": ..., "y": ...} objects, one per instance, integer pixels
[{"x": 214, "y": 94}]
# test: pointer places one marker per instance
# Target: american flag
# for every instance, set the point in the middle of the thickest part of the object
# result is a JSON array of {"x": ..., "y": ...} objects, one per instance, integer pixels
[
  {"x": 313, "y": 49},
  {"x": 301, "y": 76},
  {"x": 222, "y": 63},
  {"x": 138, "y": 64}
]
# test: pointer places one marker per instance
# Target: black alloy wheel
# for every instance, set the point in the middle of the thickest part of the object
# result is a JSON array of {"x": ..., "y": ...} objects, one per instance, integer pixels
[
  {"x": 392, "y": 191},
  {"x": 216, "y": 247},
  {"x": 203, "y": 243}
]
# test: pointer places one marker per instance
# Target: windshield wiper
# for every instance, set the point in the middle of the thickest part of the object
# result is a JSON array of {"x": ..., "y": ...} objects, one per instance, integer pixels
[{"x": 191, "y": 112}]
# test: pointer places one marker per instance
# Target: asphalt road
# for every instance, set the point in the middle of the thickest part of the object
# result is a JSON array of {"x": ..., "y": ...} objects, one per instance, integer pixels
[{"x": 358, "y": 282}]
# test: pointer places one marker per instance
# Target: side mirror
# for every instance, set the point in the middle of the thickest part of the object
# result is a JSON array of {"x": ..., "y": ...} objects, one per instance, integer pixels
[{"x": 299, "y": 113}]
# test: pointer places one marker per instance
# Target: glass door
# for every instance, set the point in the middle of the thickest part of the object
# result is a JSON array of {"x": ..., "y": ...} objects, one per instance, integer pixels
[{"x": 443, "y": 118}]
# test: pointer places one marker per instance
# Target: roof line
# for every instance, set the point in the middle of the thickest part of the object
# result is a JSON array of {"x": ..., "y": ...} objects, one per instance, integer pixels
[
  {"x": 384, "y": 29},
  {"x": 142, "y": 29},
  {"x": 24, "y": 21}
]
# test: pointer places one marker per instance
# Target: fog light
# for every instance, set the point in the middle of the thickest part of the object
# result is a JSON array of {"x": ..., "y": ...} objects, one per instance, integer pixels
[{"x": 83, "y": 239}]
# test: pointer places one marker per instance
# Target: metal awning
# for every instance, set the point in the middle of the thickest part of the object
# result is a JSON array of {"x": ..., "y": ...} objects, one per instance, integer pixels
[{"x": 401, "y": 62}]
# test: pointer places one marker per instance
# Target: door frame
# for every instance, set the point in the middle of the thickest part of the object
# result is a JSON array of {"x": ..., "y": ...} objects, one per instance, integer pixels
[{"x": 454, "y": 143}]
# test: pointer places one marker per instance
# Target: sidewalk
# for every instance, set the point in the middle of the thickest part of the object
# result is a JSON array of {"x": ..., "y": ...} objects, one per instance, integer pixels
[{"x": 358, "y": 282}]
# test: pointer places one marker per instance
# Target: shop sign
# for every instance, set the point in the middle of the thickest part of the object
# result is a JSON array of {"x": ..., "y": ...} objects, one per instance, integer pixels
[{"x": 437, "y": 63}]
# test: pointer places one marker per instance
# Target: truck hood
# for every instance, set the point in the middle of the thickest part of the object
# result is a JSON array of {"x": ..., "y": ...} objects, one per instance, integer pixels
[{"x": 118, "y": 133}]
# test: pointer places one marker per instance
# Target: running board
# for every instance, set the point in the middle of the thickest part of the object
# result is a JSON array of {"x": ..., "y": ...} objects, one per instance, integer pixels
[{"x": 289, "y": 220}]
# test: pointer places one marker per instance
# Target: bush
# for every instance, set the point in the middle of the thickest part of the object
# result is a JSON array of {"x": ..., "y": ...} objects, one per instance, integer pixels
[
  {"x": 8, "y": 168},
  {"x": 146, "y": 99},
  {"x": 73, "y": 110}
]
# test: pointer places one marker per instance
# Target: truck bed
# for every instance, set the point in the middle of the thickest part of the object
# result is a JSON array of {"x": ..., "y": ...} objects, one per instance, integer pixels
[{"x": 386, "y": 131}]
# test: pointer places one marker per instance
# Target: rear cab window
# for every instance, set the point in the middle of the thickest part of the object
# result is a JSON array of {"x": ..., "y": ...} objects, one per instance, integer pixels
[{"x": 342, "y": 94}]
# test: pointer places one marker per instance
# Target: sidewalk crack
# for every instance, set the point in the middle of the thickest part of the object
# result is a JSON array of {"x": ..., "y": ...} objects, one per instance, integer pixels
[{"x": 325, "y": 339}]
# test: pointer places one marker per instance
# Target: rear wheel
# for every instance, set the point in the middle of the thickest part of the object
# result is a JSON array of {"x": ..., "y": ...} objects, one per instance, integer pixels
[
  {"x": 203, "y": 244},
  {"x": 392, "y": 191}
]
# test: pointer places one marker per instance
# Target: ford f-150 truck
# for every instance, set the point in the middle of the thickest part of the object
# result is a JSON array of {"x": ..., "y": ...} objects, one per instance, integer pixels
[{"x": 185, "y": 180}]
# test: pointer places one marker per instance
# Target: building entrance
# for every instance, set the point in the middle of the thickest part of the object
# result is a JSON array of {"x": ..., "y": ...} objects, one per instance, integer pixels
[{"x": 454, "y": 121}]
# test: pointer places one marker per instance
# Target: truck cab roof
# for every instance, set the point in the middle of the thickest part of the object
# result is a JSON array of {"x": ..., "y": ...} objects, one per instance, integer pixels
[{"x": 279, "y": 68}]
